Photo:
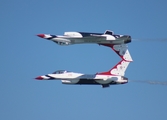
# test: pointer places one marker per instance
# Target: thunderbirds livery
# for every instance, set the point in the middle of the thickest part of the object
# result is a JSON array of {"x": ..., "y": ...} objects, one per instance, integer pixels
[
  {"x": 69, "y": 38},
  {"x": 114, "y": 76}
]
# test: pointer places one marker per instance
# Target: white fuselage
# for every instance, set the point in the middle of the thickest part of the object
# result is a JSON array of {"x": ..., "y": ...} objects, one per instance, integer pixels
[{"x": 74, "y": 78}]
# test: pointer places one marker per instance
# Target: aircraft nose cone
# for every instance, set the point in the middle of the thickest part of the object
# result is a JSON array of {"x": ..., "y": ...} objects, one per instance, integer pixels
[
  {"x": 41, "y": 35},
  {"x": 39, "y": 78}
]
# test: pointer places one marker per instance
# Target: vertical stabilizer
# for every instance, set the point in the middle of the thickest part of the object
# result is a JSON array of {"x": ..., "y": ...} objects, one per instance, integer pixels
[
  {"x": 121, "y": 50},
  {"x": 120, "y": 67}
]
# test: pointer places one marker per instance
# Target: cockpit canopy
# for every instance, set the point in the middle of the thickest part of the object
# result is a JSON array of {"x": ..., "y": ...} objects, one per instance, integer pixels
[
  {"x": 109, "y": 32},
  {"x": 60, "y": 72}
]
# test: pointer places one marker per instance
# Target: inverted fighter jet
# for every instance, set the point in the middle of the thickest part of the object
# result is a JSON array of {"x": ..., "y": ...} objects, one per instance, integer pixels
[{"x": 69, "y": 38}]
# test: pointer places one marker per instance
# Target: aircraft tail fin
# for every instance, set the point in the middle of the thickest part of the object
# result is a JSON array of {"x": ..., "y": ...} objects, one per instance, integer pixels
[
  {"x": 120, "y": 67},
  {"x": 121, "y": 50}
]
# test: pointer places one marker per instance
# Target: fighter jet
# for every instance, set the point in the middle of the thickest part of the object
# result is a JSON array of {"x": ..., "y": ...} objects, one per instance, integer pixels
[
  {"x": 111, "y": 77},
  {"x": 69, "y": 38},
  {"x": 114, "y": 76}
]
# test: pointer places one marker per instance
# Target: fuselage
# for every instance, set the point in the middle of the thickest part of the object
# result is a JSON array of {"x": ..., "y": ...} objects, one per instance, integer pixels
[
  {"x": 79, "y": 78},
  {"x": 70, "y": 38}
]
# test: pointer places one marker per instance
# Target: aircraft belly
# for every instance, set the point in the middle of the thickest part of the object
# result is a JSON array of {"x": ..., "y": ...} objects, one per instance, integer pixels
[
  {"x": 86, "y": 40},
  {"x": 104, "y": 81},
  {"x": 89, "y": 82},
  {"x": 70, "y": 81},
  {"x": 95, "y": 82},
  {"x": 98, "y": 41},
  {"x": 77, "y": 41}
]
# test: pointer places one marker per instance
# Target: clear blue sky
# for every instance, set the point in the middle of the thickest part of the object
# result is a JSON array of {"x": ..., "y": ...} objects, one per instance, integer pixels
[{"x": 24, "y": 56}]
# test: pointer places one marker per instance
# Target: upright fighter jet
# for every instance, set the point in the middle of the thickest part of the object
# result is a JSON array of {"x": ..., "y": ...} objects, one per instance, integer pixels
[{"x": 114, "y": 76}]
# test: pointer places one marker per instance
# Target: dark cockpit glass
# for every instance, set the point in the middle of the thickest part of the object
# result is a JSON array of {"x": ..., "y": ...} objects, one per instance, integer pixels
[
  {"x": 60, "y": 72},
  {"x": 109, "y": 32}
]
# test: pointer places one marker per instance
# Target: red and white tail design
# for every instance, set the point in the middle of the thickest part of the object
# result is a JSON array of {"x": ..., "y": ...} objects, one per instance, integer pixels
[
  {"x": 121, "y": 50},
  {"x": 120, "y": 68}
]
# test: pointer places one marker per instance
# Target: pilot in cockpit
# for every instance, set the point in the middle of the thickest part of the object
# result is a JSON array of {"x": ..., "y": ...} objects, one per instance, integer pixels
[{"x": 60, "y": 72}]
